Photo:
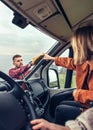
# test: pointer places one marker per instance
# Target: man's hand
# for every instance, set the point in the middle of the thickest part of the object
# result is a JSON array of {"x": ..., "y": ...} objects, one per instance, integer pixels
[{"x": 41, "y": 124}]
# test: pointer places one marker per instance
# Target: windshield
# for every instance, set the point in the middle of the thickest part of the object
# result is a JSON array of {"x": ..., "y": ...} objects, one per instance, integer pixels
[{"x": 28, "y": 42}]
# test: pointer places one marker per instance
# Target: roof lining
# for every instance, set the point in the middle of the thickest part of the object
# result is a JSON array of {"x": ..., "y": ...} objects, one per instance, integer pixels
[{"x": 61, "y": 10}]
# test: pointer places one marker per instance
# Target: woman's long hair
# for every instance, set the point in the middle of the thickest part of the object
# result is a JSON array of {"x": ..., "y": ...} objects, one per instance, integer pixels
[{"x": 82, "y": 44}]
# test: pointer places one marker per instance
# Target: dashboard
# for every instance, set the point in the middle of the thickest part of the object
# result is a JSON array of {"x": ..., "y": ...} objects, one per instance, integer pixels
[{"x": 36, "y": 90}]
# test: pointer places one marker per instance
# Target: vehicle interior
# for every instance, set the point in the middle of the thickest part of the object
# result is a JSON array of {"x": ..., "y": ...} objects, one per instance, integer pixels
[{"x": 57, "y": 19}]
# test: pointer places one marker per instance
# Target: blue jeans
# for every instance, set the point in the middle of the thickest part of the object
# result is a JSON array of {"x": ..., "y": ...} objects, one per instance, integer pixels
[{"x": 67, "y": 110}]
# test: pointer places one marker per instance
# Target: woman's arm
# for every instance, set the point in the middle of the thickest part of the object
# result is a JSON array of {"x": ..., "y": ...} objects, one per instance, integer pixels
[{"x": 62, "y": 61}]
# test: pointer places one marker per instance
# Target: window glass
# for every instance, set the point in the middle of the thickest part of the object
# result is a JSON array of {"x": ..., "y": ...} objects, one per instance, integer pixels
[
  {"x": 61, "y": 71},
  {"x": 61, "y": 74},
  {"x": 28, "y": 42},
  {"x": 73, "y": 83}
]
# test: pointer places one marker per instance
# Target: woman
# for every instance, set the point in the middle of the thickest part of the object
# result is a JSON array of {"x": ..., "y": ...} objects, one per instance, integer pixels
[
  {"x": 82, "y": 44},
  {"x": 82, "y": 63}
]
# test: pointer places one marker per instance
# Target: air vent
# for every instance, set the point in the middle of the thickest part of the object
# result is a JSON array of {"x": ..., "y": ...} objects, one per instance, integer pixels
[{"x": 42, "y": 11}]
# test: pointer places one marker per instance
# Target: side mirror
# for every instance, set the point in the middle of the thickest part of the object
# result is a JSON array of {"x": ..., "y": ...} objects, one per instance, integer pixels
[{"x": 53, "y": 78}]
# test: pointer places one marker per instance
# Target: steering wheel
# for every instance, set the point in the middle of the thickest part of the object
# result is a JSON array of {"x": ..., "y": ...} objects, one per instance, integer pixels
[{"x": 17, "y": 93}]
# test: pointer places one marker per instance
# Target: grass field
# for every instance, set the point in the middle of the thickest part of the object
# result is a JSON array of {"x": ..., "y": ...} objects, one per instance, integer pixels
[{"x": 62, "y": 78}]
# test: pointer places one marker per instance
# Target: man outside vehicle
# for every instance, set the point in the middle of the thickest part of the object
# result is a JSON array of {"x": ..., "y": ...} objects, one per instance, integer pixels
[{"x": 20, "y": 70}]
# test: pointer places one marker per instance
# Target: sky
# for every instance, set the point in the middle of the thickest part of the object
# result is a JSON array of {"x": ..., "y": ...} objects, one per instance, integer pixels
[{"x": 28, "y": 42}]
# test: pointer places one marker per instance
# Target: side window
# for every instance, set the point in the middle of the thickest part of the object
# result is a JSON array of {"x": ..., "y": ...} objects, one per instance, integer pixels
[
  {"x": 62, "y": 71},
  {"x": 73, "y": 83},
  {"x": 58, "y": 80},
  {"x": 58, "y": 75}
]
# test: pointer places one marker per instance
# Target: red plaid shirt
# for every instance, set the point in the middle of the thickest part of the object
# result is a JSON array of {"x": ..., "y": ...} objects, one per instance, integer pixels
[{"x": 17, "y": 72}]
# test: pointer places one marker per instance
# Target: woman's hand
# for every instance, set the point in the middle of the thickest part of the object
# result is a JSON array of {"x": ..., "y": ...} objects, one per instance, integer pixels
[
  {"x": 48, "y": 57},
  {"x": 41, "y": 124},
  {"x": 74, "y": 92}
]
